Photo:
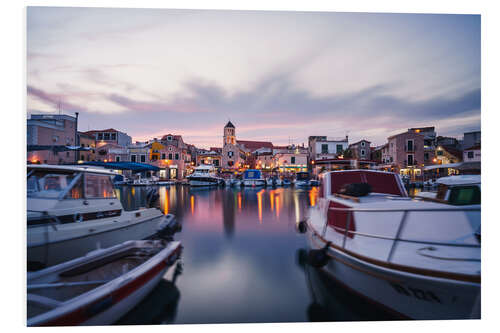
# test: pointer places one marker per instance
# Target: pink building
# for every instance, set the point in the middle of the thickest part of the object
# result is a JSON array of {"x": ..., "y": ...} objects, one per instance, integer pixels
[
  {"x": 406, "y": 153},
  {"x": 47, "y": 137}
]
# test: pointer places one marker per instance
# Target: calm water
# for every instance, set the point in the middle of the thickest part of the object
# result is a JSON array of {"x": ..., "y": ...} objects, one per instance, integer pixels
[{"x": 242, "y": 261}]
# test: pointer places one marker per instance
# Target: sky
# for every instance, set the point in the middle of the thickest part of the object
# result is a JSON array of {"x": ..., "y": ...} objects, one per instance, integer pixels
[{"x": 278, "y": 76}]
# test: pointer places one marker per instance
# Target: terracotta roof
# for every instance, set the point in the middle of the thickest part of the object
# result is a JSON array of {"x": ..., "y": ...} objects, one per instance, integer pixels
[{"x": 253, "y": 145}]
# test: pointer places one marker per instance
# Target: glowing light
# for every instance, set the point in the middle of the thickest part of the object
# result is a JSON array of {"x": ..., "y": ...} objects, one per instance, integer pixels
[
  {"x": 192, "y": 204},
  {"x": 259, "y": 204},
  {"x": 239, "y": 201},
  {"x": 271, "y": 197},
  {"x": 313, "y": 194},
  {"x": 277, "y": 206}
]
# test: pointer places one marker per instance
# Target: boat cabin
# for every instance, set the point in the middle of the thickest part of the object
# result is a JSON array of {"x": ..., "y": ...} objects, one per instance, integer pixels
[
  {"x": 71, "y": 193},
  {"x": 251, "y": 174},
  {"x": 302, "y": 176}
]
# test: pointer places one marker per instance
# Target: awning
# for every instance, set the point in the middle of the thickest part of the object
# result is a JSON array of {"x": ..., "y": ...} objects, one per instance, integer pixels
[
  {"x": 443, "y": 166},
  {"x": 57, "y": 148},
  {"x": 133, "y": 166}
]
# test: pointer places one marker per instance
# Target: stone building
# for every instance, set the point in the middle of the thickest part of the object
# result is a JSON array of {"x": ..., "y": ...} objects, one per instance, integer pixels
[
  {"x": 361, "y": 150},
  {"x": 406, "y": 153}
]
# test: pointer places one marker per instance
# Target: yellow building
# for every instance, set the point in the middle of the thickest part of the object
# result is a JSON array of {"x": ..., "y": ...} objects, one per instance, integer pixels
[{"x": 155, "y": 152}]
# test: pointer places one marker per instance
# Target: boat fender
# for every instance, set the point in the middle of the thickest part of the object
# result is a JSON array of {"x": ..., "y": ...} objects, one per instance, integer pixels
[
  {"x": 302, "y": 227},
  {"x": 78, "y": 217},
  {"x": 319, "y": 258}
]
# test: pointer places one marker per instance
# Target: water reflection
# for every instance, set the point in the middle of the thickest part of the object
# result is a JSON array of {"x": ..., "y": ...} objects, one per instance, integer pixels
[{"x": 239, "y": 253}]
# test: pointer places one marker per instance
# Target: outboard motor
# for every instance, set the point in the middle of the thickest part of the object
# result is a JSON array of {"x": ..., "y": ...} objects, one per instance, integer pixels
[{"x": 168, "y": 226}]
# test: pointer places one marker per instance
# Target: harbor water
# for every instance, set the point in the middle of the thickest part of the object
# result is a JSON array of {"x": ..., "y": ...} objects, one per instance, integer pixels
[{"x": 243, "y": 261}]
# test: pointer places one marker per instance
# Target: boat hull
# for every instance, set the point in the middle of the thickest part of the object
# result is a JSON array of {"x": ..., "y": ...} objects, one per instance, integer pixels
[
  {"x": 109, "y": 302},
  {"x": 404, "y": 294},
  {"x": 254, "y": 182},
  {"x": 112, "y": 233},
  {"x": 203, "y": 181}
]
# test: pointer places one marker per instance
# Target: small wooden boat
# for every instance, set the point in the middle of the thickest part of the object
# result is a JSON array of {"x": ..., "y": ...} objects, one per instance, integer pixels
[{"x": 99, "y": 288}]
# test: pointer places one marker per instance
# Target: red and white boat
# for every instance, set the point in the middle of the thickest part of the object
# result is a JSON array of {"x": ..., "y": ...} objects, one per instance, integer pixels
[
  {"x": 417, "y": 258},
  {"x": 101, "y": 287}
]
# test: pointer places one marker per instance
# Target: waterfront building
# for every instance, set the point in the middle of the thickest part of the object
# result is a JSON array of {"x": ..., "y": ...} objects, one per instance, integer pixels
[
  {"x": 361, "y": 150},
  {"x": 210, "y": 157},
  {"x": 111, "y": 136},
  {"x": 472, "y": 154},
  {"x": 447, "y": 154},
  {"x": 48, "y": 136},
  {"x": 138, "y": 152},
  {"x": 429, "y": 134},
  {"x": 239, "y": 153},
  {"x": 111, "y": 152},
  {"x": 406, "y": 153},
  {"x": 174, "y": 156},
  {"x": 291, "y": 162},
  {"x": 86, "y": 141},
  {"x": 471, "y": 139},
  {"x": 322, "y": 147}
]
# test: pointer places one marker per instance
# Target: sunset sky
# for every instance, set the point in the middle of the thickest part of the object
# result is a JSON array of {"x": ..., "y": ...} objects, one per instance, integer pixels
[{"x": 278, "y": 76}]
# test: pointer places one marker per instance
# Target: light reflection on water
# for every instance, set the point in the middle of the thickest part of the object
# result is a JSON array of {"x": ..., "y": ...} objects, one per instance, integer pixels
[{"x": 240, "y": 255}]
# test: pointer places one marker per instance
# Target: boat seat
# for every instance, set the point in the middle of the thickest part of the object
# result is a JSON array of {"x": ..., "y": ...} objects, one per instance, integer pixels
[{"x": 43, "y": 301}]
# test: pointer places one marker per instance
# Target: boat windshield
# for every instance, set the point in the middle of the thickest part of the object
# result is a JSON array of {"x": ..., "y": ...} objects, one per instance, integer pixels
[{"x": 48, "y": 184}]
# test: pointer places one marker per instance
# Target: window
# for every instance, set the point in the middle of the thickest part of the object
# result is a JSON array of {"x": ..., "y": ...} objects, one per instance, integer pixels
[
  {"x": 470, "y": 154},
  {"x": 362, "y": 151},
  {"x": 117, "y": 159},
  {"x": 230, "y": 154},
  {"x": 426, "y": 156},
  {"x": 143, "y": 158},
  {"x": 409, "y": 145},
  {"x": 466, "y": 195},
  {"x": 324, "y": 149},
  {"x": 133, "y": 158},
  {"x": 163, "y": 156},
  {"x": 99, "y": 136},
  {"x": 169, "y": 138},
  {"x": 42, "y": 184},
  {"x": 362, "y": 144},
  {"x": 55, "y": 138},
  {"x": 439, "y": 153},
  {"x": 106, "y": 136},
  {"x": 293, "y": 160},
  {"x": 339, "y": 149},
  {"x": 113, "y": 136},
  {"x": 410, "y": 159},
  {"x": 170, "y": 156},
  {"x": 216, "y": 162},
  {"x": 98, "y": 186},
  {"x": 176, "y": 156}
]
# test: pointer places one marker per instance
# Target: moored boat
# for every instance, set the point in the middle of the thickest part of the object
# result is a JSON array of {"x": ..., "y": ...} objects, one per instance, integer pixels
[
  {"x": 72, "y": 210},
  {"x": 99, "y": 288},
  {"x": 253, "y": 178},
  {"x": 301, "y": 179},
  {"x": 419, "y": 259},
  {"x": 269, "y": 182},
  {"x": 204, "y": 175}
]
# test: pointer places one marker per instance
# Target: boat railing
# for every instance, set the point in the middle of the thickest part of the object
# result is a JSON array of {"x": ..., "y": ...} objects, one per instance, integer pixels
[{"x": 402, "y": 224}]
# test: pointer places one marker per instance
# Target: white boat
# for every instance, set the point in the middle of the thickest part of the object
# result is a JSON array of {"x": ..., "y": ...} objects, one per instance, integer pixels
[
  {"x": 204, "y": 175},
  {"x": 253, "y": 178},
  {"x": 446, "y": 182},
  {"x": 269, "y": 182},
  {"x": 72, "y": 210},
  {"x": 278, "y": 181},
  {"x": 302, "y": 179},
  {"x": 165, "y": 182},
  {"x": 419, "y": 259},
  {"x": 99, "y": 288},
  {"x": 143, "y": 182}
]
